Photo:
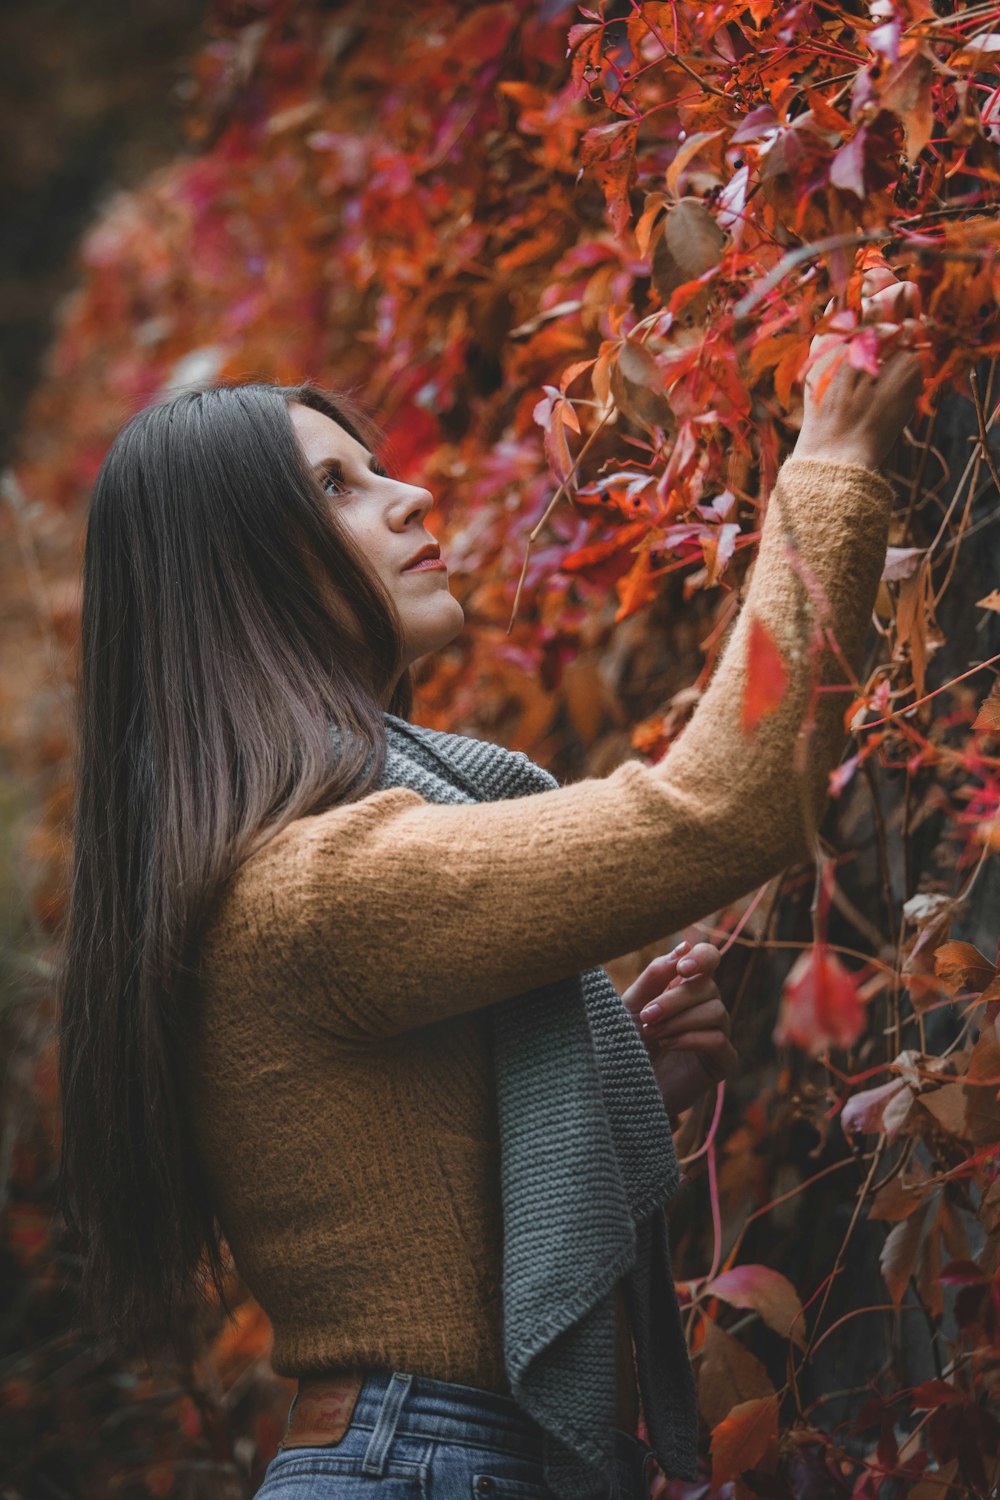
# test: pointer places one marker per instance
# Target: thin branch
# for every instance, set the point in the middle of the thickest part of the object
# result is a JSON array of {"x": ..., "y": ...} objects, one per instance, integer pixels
[
  {"x": 675, "y": 57},
  {"x": 984, "y": 442},
  {"x": 928, "y": 696},
  {"x": 534, "y": 533},
  {"x": 802, "y": 253}
]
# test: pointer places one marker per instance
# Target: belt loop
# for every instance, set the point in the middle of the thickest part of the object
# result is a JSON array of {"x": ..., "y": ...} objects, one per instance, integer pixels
[{"x": 385, "y": 1424}]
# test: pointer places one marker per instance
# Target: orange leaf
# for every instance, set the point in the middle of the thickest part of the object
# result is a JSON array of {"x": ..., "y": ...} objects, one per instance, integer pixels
[
  {"x": 988, "y": 717},
  {"x": 746, "y": 1439},
  {"x": 684, "y": 153},
  {"x": 788, "y": 368},
  {"x": 962, "y": 965},
  {"x": 637, "y": 588},
  {"x": 767, "y": 679},
  {"x": 766, "y": 354},
  {"x": 826, "y": 117}
]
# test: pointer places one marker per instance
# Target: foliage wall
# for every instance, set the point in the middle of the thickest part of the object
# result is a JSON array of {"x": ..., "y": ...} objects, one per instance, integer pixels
[{"x": 575, "y": 258}]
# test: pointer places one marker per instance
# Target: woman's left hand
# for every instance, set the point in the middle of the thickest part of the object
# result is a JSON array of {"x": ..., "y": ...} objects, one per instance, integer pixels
[{"x": 679, "y": 1013}]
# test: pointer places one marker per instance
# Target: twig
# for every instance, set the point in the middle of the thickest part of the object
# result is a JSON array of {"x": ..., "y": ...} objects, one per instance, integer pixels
[
  {"x": 794, "y": 1370},
  {"x": 984, "y": 442},
  {"x": 928, "y": 696},
  {"x": 795, "y": 257},
  {"x": 533, "y": 534},
  {"x": 675, "y": 57}
]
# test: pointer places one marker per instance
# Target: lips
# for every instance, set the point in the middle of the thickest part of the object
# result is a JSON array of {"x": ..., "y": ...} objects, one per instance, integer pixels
[{"x": 430, "y": 553}]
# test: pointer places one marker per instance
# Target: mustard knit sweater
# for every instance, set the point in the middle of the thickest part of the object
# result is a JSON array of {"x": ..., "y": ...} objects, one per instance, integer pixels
[{"x": 341, "y": 1076}]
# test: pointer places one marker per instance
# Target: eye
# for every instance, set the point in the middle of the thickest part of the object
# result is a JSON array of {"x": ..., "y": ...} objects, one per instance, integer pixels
[{"x": 332, "y": 482}]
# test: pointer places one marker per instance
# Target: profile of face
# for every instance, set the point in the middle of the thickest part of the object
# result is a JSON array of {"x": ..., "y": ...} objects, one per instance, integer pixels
[{"x": 385, "y": 517}]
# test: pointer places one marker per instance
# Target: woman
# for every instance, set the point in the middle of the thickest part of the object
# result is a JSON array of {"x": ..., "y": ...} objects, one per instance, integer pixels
[{"x": 294, "y": 916}]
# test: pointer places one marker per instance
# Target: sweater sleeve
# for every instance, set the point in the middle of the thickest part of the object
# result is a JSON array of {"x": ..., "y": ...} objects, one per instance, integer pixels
[{"x": 397, "y": 912}]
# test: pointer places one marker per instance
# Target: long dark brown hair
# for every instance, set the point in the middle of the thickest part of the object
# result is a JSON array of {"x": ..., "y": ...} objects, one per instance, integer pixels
[{"x": 214, "y": 657}]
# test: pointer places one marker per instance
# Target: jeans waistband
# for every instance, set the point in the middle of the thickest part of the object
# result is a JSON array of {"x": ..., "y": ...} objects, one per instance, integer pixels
[{"x": 393, "y": 1401}]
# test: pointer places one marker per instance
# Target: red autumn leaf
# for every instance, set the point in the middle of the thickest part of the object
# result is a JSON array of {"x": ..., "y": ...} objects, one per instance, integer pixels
[
  {"x": 402, "y": 203},
  {"x": 847, "y": 169},
  {"x": 820, "y": 1003},
  {"x": 768, "y": 1293},
  {"x": 767, "y": 678},
  {"x": 958, "y": 1273},
  {"x": 609, "y": 152},
  {"x": 584, "y": 558}
]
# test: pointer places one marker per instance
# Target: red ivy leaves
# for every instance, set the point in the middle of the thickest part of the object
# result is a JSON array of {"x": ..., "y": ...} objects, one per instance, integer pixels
[{"x": 508, "y": 237}]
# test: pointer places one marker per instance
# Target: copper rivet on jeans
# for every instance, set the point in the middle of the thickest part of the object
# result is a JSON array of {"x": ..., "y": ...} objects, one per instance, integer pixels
[{"x": 484, "y": 1483}]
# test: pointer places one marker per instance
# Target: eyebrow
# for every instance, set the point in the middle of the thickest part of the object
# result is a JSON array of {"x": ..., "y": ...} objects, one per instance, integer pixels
[{"x": 335, "y": 467}]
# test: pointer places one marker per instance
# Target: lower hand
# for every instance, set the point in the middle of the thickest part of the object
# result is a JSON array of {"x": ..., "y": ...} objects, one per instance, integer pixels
[{"x": 679, "y": 1014}]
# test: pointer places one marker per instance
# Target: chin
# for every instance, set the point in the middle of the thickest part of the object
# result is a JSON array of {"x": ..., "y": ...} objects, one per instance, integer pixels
[{"x": 433, "y": 634}]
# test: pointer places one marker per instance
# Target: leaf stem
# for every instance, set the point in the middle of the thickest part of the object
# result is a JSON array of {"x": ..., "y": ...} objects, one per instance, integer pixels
[{"x": 560, "y": 492}]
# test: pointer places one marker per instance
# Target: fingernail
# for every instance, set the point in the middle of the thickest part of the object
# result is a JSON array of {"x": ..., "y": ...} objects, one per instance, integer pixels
[
  {"x": 651, "y": 1011},
  {"x": 687, "y": 966}
]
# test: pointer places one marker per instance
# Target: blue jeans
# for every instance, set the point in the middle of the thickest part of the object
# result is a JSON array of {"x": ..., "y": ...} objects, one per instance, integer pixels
[{"x": 424, "y": 1439}]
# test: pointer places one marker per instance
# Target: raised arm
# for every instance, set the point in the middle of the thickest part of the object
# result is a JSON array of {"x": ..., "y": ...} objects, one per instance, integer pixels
[{"x": 390, "y": 913}]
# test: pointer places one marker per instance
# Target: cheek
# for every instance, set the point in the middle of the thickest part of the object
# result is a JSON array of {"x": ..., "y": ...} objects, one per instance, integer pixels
[{"x": 372, "y": 548}]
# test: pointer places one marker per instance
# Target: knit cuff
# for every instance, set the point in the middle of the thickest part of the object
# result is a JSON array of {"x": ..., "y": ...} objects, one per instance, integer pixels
[{"x": 872, "y": 479}]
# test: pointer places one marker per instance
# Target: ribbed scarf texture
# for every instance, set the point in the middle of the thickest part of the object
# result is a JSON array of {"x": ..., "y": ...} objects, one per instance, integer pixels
[{"x": 587, "y": 1166}]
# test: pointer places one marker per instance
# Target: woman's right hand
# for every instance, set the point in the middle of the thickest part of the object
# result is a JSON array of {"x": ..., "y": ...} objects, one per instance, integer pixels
[{"x": 860, "y": 416}]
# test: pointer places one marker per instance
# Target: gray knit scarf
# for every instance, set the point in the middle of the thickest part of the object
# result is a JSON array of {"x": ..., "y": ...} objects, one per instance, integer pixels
[{"x": 587, "y": 1165}]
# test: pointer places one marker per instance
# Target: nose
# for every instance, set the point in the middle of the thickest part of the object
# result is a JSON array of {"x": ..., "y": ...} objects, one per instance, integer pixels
[{"x": 410, "y": 503}]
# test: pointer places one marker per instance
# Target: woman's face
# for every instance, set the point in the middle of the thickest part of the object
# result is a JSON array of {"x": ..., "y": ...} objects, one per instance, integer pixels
[{"x": 386, "y": 518}]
